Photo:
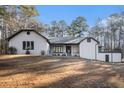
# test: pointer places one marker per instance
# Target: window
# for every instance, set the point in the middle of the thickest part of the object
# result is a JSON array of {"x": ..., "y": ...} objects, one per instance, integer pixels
[
  {"x": 88, "y": 39},
  {"x": 57, "y": 49},
  {"x": 28, "y": 33},
  {"x": 28, "y": 45}
]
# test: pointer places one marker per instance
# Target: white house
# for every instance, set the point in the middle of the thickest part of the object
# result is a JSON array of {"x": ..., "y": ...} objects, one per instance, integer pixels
[
  {"x": 36, "y": 43},
  {"x": 89, "y": 48},
  {"x": 31, "y": 40}
]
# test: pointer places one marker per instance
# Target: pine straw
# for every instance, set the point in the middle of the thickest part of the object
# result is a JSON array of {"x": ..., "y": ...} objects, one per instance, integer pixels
[{"x": 58, "y": 72}]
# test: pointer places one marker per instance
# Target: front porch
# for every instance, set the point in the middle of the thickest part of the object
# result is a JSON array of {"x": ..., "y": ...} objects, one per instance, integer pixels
[{"x": 64, "y": 50}]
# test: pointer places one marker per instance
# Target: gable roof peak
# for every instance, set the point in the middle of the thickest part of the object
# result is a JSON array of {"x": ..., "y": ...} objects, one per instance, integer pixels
[{"x": 33, "y": 30}]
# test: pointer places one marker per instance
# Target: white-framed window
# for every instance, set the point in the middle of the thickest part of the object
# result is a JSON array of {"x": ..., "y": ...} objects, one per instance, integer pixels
[
  {"x": 57, "y": 48},
  {"x": 28, "y": 45}
]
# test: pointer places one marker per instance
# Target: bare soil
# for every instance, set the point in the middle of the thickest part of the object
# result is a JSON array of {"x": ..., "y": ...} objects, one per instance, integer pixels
[{"x": 21, "y": 71}]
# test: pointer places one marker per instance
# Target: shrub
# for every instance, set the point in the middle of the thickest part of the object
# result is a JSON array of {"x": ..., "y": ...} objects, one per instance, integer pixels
[
  {"x": 27, "y": 52},
  {"x": 12, "y": 50},
  {"x": 64, "y": 54},
  {"x": 42, "y": 52}
]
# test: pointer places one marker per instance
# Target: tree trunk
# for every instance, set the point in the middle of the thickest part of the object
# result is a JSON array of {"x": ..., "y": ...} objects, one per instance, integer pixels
[
  {"x": 114, "y": 40},
  {"x": 5, "y": 45},
  {"x": 111, "y": 49},
  {"x": 119, "y": 37}
]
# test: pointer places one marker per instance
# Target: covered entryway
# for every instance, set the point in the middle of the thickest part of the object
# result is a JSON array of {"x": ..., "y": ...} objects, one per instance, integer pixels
[{"x": 68, "y": 50}]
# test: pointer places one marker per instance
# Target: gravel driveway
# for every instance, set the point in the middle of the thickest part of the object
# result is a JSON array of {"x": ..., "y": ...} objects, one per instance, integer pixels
[{"x": 59, "y": 72}]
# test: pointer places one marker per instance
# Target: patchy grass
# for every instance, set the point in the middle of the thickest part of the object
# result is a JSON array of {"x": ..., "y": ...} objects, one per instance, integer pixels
[{"x": 37, "y": 71}]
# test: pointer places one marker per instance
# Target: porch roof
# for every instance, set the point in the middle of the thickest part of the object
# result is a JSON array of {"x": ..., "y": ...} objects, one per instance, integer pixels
[{"x": 65, "y": 40}]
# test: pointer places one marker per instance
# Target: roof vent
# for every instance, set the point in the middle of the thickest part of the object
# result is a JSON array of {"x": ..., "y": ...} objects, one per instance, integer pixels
[{"x": 28, "y": 33}]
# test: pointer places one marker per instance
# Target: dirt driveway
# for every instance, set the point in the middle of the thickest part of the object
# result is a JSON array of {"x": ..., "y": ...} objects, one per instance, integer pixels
[{"x": 58, "y": 72}]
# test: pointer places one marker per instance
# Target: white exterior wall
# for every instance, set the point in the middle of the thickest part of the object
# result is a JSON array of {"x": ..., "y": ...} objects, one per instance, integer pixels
[
  {"x": 64, "y": 48},
  {"x": 113, "y": 57},
  {"x": 75, "y": 50},
  {"x": 40, "y": 43},
  {"x": 87, "y": 49}
]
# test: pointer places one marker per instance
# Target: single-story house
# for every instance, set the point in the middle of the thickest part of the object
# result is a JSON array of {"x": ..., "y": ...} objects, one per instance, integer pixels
[{"x": 37, "y": 44}]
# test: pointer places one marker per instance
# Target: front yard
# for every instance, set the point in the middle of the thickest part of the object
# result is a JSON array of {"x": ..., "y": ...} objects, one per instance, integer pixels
[{"x": 37, "y": 71}]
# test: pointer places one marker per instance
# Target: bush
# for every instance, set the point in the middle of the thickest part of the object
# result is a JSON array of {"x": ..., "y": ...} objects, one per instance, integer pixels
[
  {"x": 27, "y": 51},
  {"x": 12, "y": 50},
  {"x": 42, "y": 52},
  {"x": 63, "y": 54}
]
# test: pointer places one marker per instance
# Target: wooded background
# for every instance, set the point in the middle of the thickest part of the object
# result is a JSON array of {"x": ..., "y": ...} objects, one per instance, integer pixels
[{"x": 110, "y": 31}]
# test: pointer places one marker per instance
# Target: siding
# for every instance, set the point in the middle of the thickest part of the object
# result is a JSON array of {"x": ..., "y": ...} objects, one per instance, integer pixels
[
  {"x": 75, "y": 50},
  {"x": 40, "y": 43},
  {"x": 87, "y": 49}
]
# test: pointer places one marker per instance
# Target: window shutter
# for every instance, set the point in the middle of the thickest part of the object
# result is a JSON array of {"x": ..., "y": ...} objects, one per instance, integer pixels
[
  {"x": 24, "y": 45},
  {"x": 32, "y": 45}
]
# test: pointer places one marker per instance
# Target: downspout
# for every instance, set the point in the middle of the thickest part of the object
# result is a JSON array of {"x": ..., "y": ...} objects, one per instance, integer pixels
[{"x": 96, "y": 52}]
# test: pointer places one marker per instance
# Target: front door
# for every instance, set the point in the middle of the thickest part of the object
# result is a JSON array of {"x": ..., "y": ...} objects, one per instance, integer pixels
[
  {"x": 107, "y": 58},
  {"x": 68, "y": 50}
]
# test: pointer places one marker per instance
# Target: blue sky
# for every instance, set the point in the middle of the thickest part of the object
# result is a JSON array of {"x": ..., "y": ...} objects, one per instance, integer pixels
[{"x": 49, "y": 13}]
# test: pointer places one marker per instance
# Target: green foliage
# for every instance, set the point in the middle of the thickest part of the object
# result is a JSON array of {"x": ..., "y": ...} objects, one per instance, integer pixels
[
  {"x": 58, "y": 29},
  {"x": 28, "y": 10},
  {"x": 16, "y": 17},
  {"x": 42, "y": 52},
  {"x": 79, "y": 26},
  {"x": 2, "y": 11},
  {"x": 61, "y": 29},
  {"x": 12, "y": 50}
]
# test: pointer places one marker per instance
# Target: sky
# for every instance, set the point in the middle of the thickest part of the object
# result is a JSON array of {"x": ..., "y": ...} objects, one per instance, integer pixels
[{"x": 49, "y": 13}]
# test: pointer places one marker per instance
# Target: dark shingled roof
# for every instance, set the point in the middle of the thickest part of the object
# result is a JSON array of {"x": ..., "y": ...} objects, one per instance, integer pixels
[
  {"x": 65, "y": 40},
  {"x": 68, "y": 40}
]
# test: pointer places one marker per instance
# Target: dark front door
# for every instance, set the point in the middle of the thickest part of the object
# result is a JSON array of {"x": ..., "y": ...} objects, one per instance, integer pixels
[
  {"x": 107, "y": 58},
  {"x": 68, "y": 50}
]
